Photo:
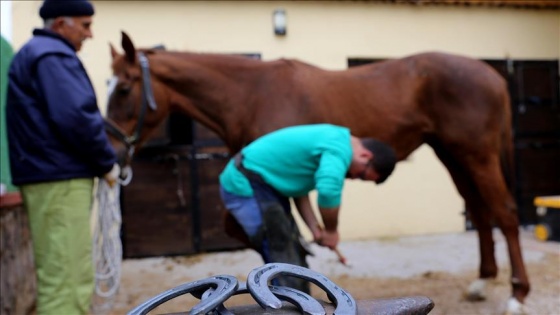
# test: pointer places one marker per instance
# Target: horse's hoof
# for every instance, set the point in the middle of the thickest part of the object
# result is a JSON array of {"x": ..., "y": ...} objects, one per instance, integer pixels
[
  {"x": 477, "y": 290},
  {"x": 514, "y": 307}
]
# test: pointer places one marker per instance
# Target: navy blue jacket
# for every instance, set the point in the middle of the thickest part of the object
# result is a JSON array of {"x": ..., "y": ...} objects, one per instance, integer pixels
[{"x": 55, "y": 129}]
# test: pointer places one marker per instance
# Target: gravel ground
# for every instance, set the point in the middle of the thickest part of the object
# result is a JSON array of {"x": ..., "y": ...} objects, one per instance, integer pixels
[{"x": 437, "y": 266}]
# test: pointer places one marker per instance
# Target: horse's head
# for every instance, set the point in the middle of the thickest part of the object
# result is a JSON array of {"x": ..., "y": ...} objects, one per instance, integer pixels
[{"x": 136, "y": 102}]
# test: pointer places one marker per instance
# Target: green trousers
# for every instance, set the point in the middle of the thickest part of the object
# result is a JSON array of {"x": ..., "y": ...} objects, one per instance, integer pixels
[{"x": 59, "y": 216}]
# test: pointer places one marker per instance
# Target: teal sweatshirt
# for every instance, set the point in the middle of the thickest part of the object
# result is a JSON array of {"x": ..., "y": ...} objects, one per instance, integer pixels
[{"x": 296, "y": 160}]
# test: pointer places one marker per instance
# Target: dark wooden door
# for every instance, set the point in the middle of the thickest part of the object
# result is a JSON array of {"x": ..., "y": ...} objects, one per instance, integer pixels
[
  {"x": 535, "y": 102},
  {"x": 157, "y": 221},
  {"x": 172, "y": 206}
]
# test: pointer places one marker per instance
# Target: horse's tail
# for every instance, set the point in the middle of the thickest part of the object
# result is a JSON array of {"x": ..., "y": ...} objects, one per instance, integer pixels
[{"x": 507, "y": 160}]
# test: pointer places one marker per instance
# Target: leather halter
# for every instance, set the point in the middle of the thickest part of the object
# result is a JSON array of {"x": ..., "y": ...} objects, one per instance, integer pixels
[{"x": 147, "y": 101}]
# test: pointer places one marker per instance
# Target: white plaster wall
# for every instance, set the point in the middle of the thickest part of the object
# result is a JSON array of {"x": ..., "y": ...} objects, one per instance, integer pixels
[
  {"x": 419, "y": 197},
  {"x": 6, "y": 20}
]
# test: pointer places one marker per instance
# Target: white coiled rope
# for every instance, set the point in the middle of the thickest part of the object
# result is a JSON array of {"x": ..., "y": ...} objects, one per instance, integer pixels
[{"x": 107, "y": 247}]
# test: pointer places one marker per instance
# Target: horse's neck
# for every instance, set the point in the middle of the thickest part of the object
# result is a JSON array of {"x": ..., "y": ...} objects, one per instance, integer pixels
[{"x": 208, "y": 89}]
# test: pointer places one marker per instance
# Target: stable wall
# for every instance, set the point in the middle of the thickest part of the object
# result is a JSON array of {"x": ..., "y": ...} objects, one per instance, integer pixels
[{"x": 419, "y": 197}]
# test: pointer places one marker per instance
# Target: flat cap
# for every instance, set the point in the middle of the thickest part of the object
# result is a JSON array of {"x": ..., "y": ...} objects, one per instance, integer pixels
[{"x": 55, "y": 8}]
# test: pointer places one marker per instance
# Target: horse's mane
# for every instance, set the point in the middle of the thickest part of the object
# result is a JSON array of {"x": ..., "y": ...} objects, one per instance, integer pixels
[{"x": 217, "y": 58}]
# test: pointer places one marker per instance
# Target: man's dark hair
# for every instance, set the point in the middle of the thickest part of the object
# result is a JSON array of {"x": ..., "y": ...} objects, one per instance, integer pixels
[{"x": 384, "y": 158}]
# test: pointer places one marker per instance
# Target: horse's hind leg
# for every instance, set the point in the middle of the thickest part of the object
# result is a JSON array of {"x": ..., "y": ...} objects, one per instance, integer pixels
[
  {"x": 479, "y": 180},
  {"x": 475, "y": 207},
  {"x": 487, "y": 175}
]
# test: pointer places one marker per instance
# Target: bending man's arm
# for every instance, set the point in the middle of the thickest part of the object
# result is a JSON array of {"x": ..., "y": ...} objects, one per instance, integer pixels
[
  {"x": 330, "y": 236},
  {"x": 305, "y": 210}
]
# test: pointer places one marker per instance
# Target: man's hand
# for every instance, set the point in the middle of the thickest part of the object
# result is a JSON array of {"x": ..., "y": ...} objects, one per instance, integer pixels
[
  {"x": 327, "y": 236},
  {"x": 317, "y": 232},
  {"x": 329, "y": 239},
  {"x": 113, "y": 175}
]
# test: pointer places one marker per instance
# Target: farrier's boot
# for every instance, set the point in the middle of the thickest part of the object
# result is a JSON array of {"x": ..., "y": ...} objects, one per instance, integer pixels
[{"x": 284, "y": 244}]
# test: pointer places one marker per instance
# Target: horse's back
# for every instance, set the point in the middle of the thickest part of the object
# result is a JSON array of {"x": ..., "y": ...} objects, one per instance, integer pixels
[
  {"x": 454, "y": 99},
  {"x": 466, "y": 102},
  {"x": 462, "y": 68},
  {"x": 464, "y": 84}
]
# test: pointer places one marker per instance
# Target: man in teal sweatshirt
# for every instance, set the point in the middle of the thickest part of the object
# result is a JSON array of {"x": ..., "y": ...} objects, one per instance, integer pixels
[{"x": 289, "y": 163}]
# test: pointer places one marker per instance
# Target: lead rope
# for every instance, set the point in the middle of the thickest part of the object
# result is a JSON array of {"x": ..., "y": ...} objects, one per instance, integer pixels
[{"x": 107, "y": 247}]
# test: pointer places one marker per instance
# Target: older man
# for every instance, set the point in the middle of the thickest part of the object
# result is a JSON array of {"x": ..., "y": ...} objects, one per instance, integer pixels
[{"x": 57, "y": 146}]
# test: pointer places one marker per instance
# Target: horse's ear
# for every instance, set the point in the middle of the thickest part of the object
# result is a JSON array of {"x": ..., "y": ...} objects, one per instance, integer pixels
[
  {"x": 128, "y": 47},
  {"x": 114, "y": 53}
]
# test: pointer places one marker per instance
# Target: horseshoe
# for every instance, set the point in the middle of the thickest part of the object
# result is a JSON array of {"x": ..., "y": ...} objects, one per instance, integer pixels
[
  {"x": 257, "y": 283},
  {"x": 221, "y": 309},
  {"x": 304, "y": 302},
  {"x": 223, "y": 285}
]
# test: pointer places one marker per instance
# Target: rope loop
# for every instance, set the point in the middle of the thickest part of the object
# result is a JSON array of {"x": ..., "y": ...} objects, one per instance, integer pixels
[{"x": 107, "y": 246}]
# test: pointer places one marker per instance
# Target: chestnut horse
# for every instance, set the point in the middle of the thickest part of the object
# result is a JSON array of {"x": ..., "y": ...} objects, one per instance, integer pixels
[{"x": 457, "y": 105}]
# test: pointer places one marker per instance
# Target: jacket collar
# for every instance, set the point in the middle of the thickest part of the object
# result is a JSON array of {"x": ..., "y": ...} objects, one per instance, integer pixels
[{"x": 49, "y": 33}]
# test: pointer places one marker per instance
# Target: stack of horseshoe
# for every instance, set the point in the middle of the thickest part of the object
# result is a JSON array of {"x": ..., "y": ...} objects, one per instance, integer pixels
[{"x": 214, "y": 291}]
